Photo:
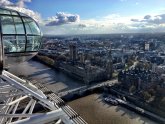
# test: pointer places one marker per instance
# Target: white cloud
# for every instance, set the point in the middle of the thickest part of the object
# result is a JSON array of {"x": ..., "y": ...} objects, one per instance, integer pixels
[
  {"x": 116, "y": 18},
  {"x": 21, "y": 3},
  {"x": 35, "y": 15},
  {"x": 63, "y": 18},
  {"x": 155, "y": 19},
  {"x": 20, "y": 7},
  {"x": 117, "y": 24},
  {"x": 113, "y": 23},
  {"x": 5, "y": 3}
]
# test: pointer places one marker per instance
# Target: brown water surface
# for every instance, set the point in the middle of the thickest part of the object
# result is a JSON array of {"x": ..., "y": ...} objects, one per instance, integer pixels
[{"x": 92, "y": 109}]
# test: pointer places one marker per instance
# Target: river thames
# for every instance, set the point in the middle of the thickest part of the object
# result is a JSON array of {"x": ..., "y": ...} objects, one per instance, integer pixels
[{"x": 91, "y": 108}]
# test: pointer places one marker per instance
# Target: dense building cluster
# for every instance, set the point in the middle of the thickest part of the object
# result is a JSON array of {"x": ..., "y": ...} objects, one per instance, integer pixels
[
  {"x": 98, "y": 57},
  {"x": 89, "y": 62},
  {"x": 138, "y": 78}
]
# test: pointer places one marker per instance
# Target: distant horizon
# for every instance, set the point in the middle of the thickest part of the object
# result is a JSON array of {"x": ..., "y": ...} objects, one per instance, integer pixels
[{"x": 103, "y": 34}]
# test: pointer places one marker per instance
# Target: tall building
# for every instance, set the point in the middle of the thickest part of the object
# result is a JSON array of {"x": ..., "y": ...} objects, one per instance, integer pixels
[
  {"x": 154, "y": 67},
  {"x": 109, "y": 65},
  {"x": 73, "y": 51},
  {"x": 147, "y": 46},
  {"x": 82, "y": 58}
]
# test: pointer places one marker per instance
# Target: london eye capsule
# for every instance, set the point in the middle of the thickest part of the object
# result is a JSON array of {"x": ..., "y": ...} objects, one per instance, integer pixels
[{"x": 20, "y": 37}]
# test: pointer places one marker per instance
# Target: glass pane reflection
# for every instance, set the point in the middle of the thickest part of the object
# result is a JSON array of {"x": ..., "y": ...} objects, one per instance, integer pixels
[
  {"x": 14, "y": 13},
  {"x": 31, "y": 26},
  {"x": 2, "y": 11},
  {"x": 19, "y": 25},
  {"x": 14, "y": 43},
  {"x": 33, "y": 43},
  {"x": 7, "y": 25}
]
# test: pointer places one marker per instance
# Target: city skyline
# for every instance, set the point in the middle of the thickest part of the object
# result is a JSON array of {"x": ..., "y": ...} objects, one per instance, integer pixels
[{"x": 93, "y": 17}]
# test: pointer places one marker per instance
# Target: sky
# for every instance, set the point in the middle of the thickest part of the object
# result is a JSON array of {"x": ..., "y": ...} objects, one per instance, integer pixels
[{"x": 58, "y": 17}]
